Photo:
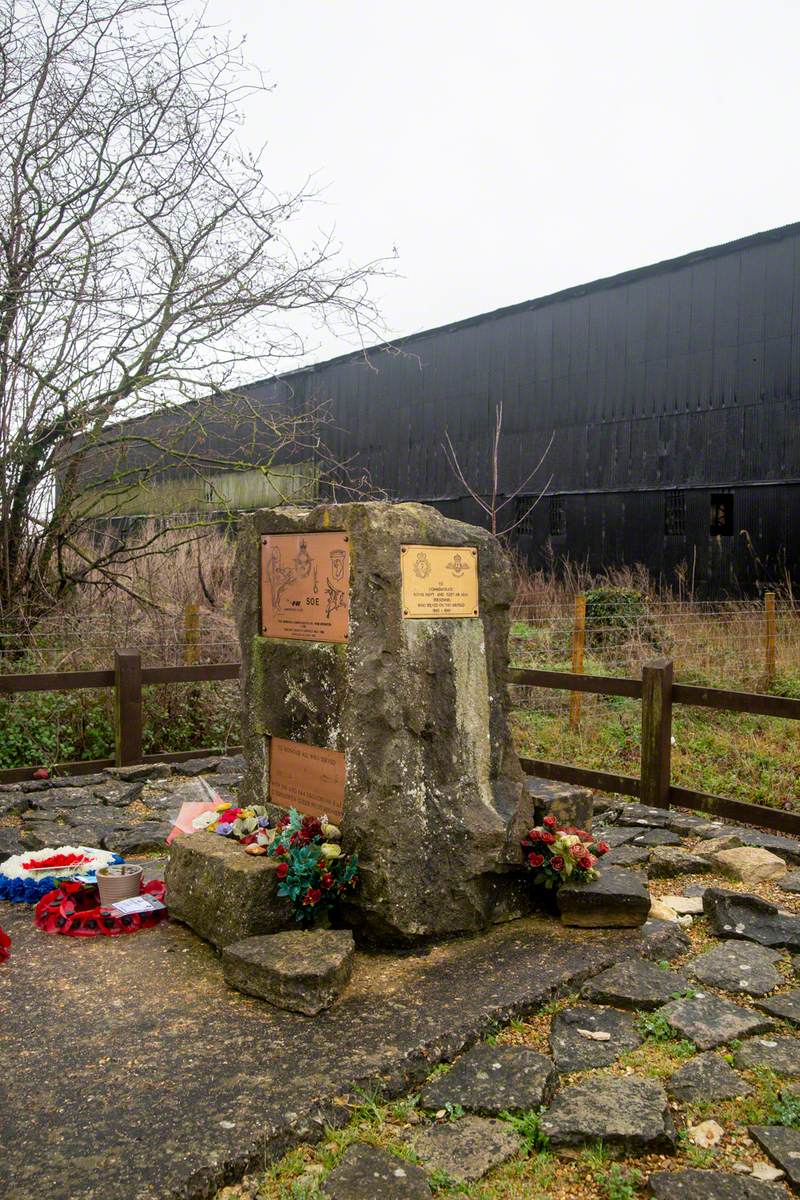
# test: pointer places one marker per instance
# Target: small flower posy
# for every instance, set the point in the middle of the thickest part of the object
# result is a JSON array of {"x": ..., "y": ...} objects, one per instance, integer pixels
[
  {"x": 313, "y": 872},
  {"x": 555, "y": 854},
  {"x": 246, "y": 825}
]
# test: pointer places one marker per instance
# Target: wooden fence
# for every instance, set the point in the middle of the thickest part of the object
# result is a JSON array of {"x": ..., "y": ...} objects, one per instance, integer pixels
[
  {"x": 656, "y": 690},
  {"x": 127, "y": 679},
  {"x": 658, "y": 693}
]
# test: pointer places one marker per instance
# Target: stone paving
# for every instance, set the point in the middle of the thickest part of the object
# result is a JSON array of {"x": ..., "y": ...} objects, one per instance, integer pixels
[{"x": 719, "y": 986}]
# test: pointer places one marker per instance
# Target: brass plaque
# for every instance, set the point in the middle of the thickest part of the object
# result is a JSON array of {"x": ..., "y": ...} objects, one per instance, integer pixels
[
  {"x": 439, "y": 581},
  {"x": 307, "y": 778},
  {"x": 305, "y": 586}
]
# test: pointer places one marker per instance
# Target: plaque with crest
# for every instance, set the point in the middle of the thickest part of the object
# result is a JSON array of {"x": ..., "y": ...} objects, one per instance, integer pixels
[
  {"x": 305, "y": 586},
  {"x": 439, "y": 581}
]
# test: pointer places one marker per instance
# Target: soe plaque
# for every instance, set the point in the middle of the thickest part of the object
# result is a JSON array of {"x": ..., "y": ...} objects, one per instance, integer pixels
[
  {"x": 308, "y": 778},
  {"x": 439, "y": 581},
  {"x": 305, "y": 586}
]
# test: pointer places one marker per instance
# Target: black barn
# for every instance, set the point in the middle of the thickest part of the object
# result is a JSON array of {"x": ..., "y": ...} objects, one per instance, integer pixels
[{"x": 671, "y": 392}]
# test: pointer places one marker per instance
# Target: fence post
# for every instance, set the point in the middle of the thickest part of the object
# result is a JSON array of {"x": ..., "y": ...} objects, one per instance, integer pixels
[
  {"x": 191, "y": 625},
  {"x": 769, "y": 638},
  {"x": 578, "y": 643},
  {"x": 127, "y": 707},
  {"x": 656, "y": 732}
]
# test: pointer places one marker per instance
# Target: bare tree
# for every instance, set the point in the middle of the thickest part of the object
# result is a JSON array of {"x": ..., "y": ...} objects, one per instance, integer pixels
[
  {"x": 144, "y": 262},
  {"x": 493, "y": 502}
]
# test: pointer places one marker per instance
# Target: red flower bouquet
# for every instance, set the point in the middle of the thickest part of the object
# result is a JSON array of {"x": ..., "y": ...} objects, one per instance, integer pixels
[
  {"x": 555, "y": 855},
  {"x": 313, "y": 873}
]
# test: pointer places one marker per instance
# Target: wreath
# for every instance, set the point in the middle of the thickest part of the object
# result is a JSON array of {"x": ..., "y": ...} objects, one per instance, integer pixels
[{"x": 74, "y": 909}]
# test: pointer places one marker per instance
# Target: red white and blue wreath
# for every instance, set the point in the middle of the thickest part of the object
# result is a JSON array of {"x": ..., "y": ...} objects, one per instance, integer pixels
[{"x": 25, "y": 878}]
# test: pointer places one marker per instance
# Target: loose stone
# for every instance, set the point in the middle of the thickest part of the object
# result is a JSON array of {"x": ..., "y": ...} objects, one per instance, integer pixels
[
  {"x": 749, "y": 864},
  {"x": 741, "y": 915},
  {"x": 634, "y": 983},
  {"x": 685, "y": 905},
  {"x": 303, "y": 971},
  {"x": 627, "y": 856},
  {"x": 466, "y": 1149},
  {"x": 790, "y": 882},
  {"x": 707, "y": 1077},
  {"x": 778, "y": 1054},
  {"x": 786, "y": 1006},
  {"x": 366, "y": 1172},
  {"x": 738, "y": 967},
  {"x": 644, "y": 815},
  {"x": 709, "y": 1021},
  {"x": 573, "y": 1051},
  {"x": 667, "y": 862},
  {"x": 569, "y": 805},
  {"x": 617, "y": 897},
  {"x": 783, "y": 1147},
  {"x": 703, "y": 1185},
  {"x": 488, "y": 1080},
  {"x": 629, "y": 1114},
  {"x": 663, "y": 940},
  {"x": 657, "y": 837},
  {"x": 786, "y": 848}
]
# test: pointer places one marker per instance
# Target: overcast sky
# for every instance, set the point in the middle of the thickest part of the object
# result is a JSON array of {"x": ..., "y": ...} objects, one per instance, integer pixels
[{"x": 509, "y": 149}]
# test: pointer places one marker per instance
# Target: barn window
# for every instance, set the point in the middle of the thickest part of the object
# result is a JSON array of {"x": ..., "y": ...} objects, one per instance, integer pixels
[
  {"x": 721, "y": 514},
  {"x": 558, "y": 516},
  {"x": 524, "y": 515},
  {"x": 675, "y": 513}
]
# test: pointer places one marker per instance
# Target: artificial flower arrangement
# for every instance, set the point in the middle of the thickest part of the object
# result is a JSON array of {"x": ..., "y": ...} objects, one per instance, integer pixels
[
  {"x": 245, "y": 825},
  {"x": 555, "y": 854},
  {"x": 313, "y": 871},
  {"x": 25, "y": 878}
]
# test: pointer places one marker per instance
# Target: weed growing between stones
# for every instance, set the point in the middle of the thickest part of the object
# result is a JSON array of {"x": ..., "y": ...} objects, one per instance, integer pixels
[
  {"x": 620, "y": 1183},
  {"x": 528, "y": 1126}
]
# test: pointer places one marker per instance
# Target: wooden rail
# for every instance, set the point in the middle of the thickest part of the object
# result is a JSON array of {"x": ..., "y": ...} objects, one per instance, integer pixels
[
  {"x": 658, "y": 694},
  {"x": 127, "y": 679}
]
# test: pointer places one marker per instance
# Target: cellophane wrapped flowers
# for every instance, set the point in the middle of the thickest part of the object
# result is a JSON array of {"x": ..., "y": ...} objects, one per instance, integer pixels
[
  {"x": 313, "y": 871},
  {"x": 555, "y": 855},
  {"x": 245, "y": 825}
]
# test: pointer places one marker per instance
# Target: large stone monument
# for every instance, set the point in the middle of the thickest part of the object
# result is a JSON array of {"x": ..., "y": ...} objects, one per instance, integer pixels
[{"x": 374, "y": 659}]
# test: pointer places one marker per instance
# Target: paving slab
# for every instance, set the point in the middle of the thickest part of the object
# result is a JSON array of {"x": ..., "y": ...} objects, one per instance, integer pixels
[
  {"x": 668, "y": 862},
  {"x": 707, "y": 1077},
  {"x": 786, "y": 1006},
  {"x": 636, "y": 983},
  {"x": 738, "y": 967},
  {"x": 709, "y": 1021},
  {"x": 466, "y": 1149},
  {"x": 574, "y": 1041},
  {"x": 489, "y": 1080},
  {"x": 741, "y": 915},
  {"x": 778, "y": 1054},
  {"x": 644, "y": 815},
  {"x": 168, "y": 1056},
  {"x": 783, "y": 1147},
  {"x": 618, "y": 897},
  {"x": 366, "y": 1172},
  {"x": 712, "y": 1185},
  {"x": 629, "y": 1114},
  {"x": 627, "y": 856},
  {"x": 662, "y": 941},
  {"x": 657, "y": 837}
]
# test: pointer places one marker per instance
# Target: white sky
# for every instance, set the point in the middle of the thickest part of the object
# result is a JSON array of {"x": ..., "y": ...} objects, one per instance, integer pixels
[{"x": 509, "y": 149}]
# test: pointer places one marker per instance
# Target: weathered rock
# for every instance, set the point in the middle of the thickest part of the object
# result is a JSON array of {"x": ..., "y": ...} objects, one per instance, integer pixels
[
  {"x": 740, "y": 915},
  {"x": 707, "y": 1077},
  {"x": 786, "y": 1006},
  {"x": 568, "y": 804},
  {"x": 725, "y": 841},
  {"x": 63, "y": 797},
  {"x": 116, "y": 793},
  {"x": 685, "y": 906},
  {"x": 657, "y": 837},
  {"x": 627, "y": 856},
  {"x": 231, "y": 764},
  {"x": 13, "y": 804},
  {"x": 573, "y": 1050},
  {"x": 9, "y": 844},
  {"x": 466, "y": 1149},
  {"x": 712, "y": 1185},
  {"x": 709, "y": 1021},
  {"x": 488, "y": 1080},
  {"x": 366, "y": 1172},
  {"x": 618, "y": 897},
  {"x": 737, "y": 967},
  {"x": 629, "y": 1114},
  {"x": 749, "y": 864},
  {"x": 712, "y": 830},
  {"x": 778, "y": 1054},
  {"x": 143, "y": 771},
  {"x": 197, "y": 766},
  {"x": 144, "y": 838},
  {"x": 660, "y": 911},
  {"x": 667, "y": 862},
  {"x": 420, "y": 709},
  {"x": 686, "y": 824},
  {"x": 616, "y": 835},
  {"x": 663, "y": 940},
  {"x": 790, "y": 882},
  {"x": 644, "y": 815},
  {"x": 223, "y": 894},
  {"x": 783, "y": 1147},
  {"x": 301, "y": 970},
  {"x": 606, "y": 806},
  {"x": 634, "y": 983}
]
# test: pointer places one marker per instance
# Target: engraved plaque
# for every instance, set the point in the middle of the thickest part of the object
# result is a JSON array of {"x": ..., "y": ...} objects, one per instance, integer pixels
[
  {"x": 305, "y": 586},
  {"x": 307, "y": 778},
  {"x": 439, "y": 581}
]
